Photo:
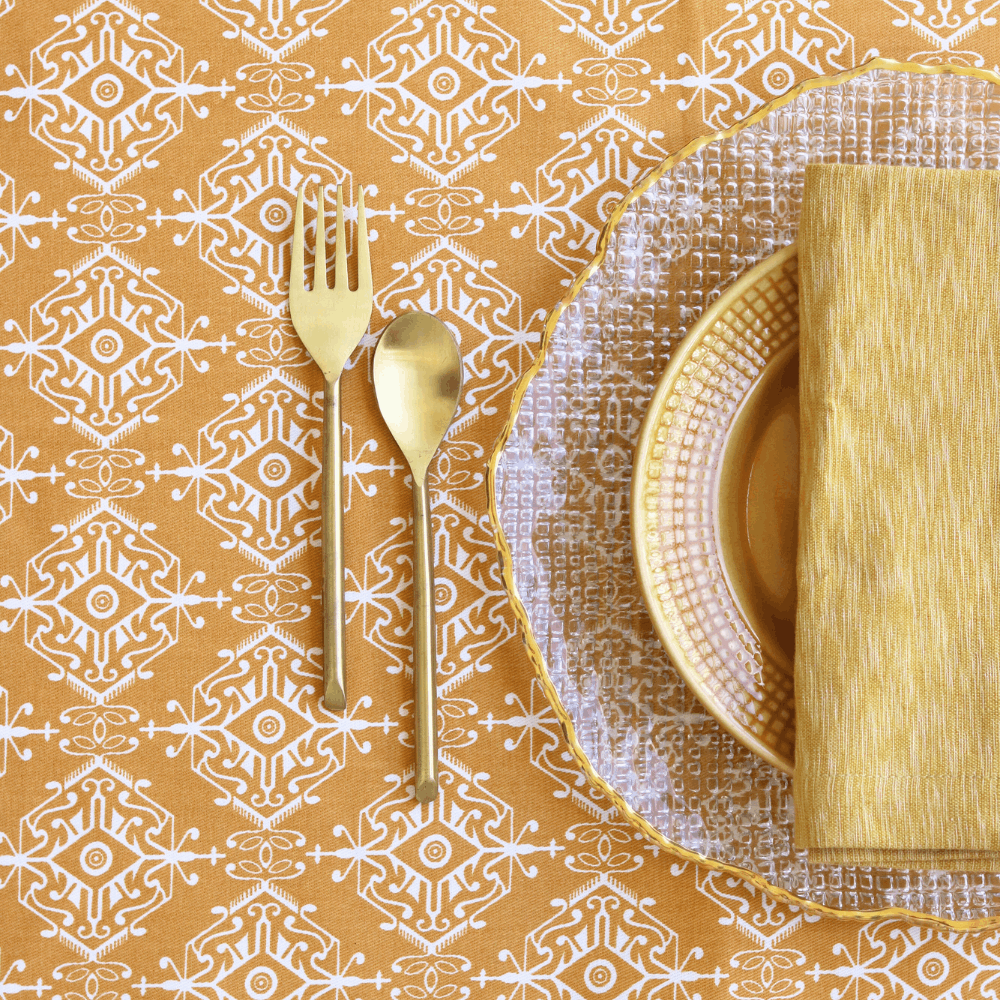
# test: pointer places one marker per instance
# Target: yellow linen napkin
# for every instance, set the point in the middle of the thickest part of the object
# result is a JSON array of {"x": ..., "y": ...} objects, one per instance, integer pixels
[{"x": 897, "y": 656}]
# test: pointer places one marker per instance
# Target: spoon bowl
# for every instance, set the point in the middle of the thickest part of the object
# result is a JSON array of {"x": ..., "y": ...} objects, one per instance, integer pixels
[{"x": 418, "y": 379}]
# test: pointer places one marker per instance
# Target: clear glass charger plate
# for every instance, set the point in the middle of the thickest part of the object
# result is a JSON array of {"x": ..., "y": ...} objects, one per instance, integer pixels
[{"x": 560, "y": 479}]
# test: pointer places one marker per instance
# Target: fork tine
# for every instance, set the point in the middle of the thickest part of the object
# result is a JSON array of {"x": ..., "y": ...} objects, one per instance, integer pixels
[
  {"x": 340, "y": 258},
  {"x": 364, "y": 261},
  {"x": 319, "y": 270},
  {"x": 296, "y": 281}
]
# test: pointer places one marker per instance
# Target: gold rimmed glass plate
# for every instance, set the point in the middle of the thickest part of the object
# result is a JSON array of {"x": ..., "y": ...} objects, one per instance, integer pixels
[{"x": 561, "y": 476}]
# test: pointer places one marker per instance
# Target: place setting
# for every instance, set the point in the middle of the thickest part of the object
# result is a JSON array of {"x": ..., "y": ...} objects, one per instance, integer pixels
[{"x": 745, "y": 499}]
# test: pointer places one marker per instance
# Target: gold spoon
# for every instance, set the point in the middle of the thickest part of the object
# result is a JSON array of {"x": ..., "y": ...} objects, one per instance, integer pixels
[{"x": 417, "y": 371}]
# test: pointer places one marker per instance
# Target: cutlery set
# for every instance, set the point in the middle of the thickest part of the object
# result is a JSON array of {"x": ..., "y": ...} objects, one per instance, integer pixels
[{"x": 417, "y": 371}]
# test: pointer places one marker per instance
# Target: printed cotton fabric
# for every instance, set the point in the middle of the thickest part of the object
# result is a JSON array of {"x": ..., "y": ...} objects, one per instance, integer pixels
[{"x": 179, "y": 819}]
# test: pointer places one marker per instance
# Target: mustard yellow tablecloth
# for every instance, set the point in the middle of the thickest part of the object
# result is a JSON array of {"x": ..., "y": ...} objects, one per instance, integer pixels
[
  {"x": 177, "y": 817},
  {"x": 897, "y": 645}
]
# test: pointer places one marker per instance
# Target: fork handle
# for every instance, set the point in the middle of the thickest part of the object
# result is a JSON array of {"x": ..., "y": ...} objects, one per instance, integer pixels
[
  {"x": 424, "y": 646},
  {"x": 334, "y": 649}
]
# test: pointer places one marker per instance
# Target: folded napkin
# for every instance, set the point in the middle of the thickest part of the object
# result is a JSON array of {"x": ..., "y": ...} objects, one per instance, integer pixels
[{"x": 897, "y": 656}]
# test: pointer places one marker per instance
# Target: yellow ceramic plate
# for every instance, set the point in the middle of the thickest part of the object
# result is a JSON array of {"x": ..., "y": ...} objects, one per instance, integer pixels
[
  {"x": 745, "y": 345},
  {"x": 560, "y": 480}
]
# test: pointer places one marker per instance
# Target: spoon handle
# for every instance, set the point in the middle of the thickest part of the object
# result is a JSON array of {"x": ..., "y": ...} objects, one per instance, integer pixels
[
  {"x": 424, "y": 645},
  {"x": 334, "y": 651}
]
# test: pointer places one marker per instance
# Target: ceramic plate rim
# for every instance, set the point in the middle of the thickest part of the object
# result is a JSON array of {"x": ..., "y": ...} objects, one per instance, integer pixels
[
  {"x": 535, "y": 655},
  {"x": 640, "y": 551}
]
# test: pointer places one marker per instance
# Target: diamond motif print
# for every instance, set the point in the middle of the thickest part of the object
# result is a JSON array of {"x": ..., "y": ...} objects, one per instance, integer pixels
[
  {"x": 106, "y": 92},
  {"x": 265, "y": 947},
  {"x": 96, "y": 858},
  {"x": 258, "y": 735},
  {"x": 493, "y": 140},
  {"x": 102, "y": 601},
  {"x": 257, "y": 471},
  {"x": 107, "y": 346},
  {"x": 433, "y": 870},
  {"x": 243, "y": 217},
  {"x": 445, "y": 86}
]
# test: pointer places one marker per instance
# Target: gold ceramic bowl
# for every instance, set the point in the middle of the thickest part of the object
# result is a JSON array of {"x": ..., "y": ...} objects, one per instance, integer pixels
[{"x": 742, "y": 458}]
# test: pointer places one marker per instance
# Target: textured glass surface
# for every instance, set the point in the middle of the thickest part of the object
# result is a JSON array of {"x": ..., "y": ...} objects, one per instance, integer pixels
[{"x": 564, "y": 477}]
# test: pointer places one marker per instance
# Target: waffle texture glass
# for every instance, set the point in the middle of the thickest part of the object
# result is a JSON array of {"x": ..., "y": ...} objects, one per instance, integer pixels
[{"x": 563, "y": 469}]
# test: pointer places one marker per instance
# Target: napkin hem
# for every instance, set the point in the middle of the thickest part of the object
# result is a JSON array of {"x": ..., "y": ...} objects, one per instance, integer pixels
[
  {"x": 936, "y": 860},
  {"x": 957, "y": 813}
]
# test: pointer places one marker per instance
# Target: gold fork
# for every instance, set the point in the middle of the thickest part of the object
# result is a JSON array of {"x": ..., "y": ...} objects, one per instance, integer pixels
[{"x": 331, "y": 322}]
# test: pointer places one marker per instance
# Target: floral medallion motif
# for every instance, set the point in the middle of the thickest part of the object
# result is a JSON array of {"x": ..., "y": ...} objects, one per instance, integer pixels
[
  {"x": 243, "y": 216},
  {"x": 97, "y": 857},
  {"x": 102, "y": 601},
  {"x": 106, "y": 92},
  {"x": 257, "y": 471},
  {"x": 107, "y": 346}
]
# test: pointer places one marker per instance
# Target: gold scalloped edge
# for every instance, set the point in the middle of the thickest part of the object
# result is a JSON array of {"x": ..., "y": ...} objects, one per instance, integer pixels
[{"x": 506, "y": 558}]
